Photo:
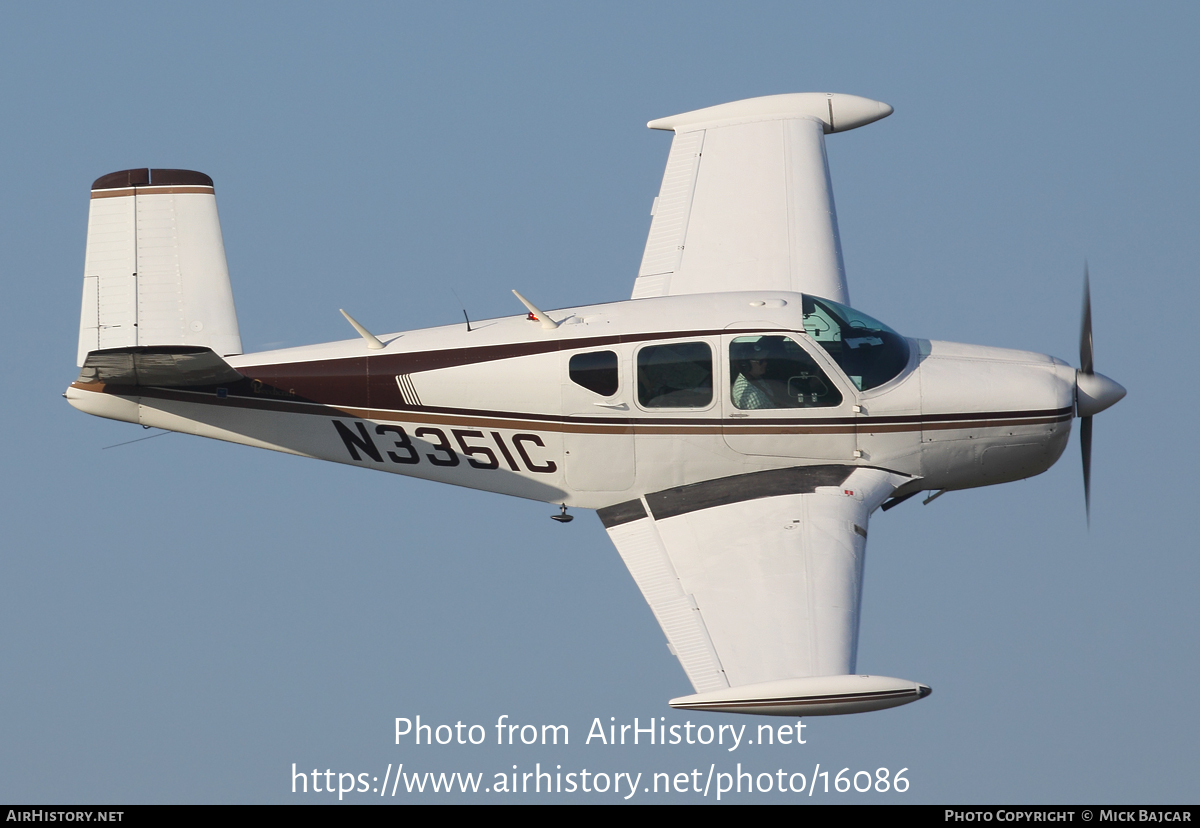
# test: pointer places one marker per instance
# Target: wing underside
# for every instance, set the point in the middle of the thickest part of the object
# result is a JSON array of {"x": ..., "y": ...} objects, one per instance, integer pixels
[{"x": 756, "y": 579}]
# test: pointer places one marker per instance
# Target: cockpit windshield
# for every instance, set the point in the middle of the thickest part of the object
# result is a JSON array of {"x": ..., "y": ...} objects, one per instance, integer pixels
[{"x": 868, "y": 351}]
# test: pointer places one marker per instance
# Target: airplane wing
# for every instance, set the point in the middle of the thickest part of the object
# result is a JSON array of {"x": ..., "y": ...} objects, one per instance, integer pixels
[
  {"x": 746, "y": 202},
  {"x": 756, "y": 581}
]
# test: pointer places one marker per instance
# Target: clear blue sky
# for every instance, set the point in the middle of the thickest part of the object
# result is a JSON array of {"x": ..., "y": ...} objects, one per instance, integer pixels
[{"x": 182, "y": 619}]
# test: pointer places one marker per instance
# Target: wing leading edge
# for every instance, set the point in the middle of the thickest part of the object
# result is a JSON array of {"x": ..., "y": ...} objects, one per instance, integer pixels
[
  {"x": 746, "y": 201},
  {"x": 756, "y": 580}
]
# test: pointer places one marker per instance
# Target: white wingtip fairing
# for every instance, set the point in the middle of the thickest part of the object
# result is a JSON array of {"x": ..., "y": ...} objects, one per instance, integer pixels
[
  {"x": 816, "y": 696},
  {"x": 836, "y": 111}
]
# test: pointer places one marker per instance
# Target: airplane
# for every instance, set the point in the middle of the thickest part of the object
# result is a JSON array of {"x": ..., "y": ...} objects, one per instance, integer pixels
[{"x": 734, "y": 423}]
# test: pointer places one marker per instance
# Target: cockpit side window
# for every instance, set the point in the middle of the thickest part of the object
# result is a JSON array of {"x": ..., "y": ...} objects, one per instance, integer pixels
[
  {"x": 868, "y": 351},
  {"x": 775, "y": 372},
  {"x": 678, "y": 375},
  {"x": 596, "y": 371}
]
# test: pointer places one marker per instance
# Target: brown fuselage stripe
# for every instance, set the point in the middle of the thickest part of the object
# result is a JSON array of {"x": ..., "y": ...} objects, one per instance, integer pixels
[
  {"x": 577, "y": 425},
  {"x": 148, "y": 190},
  {"x": 317, "y": 374}
]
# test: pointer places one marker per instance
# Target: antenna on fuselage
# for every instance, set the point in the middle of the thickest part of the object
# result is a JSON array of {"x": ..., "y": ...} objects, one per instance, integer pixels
[
  {"x": 372, "y": 341},
  {"x": 464, "y": 309},
  {"x": 547, "y": 323}
]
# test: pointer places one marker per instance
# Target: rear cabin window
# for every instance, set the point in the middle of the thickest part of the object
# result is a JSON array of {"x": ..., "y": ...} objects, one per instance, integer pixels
[
  {"x": 595, "y": 371},
  {"x": 679, "y": 375}
]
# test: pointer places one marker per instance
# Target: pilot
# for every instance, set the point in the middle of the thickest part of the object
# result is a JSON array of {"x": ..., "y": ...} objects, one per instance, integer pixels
[{"x": 752, "y": 388}]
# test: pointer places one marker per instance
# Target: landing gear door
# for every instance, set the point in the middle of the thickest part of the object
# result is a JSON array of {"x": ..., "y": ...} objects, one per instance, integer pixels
[{"x": 782, "y": 398}]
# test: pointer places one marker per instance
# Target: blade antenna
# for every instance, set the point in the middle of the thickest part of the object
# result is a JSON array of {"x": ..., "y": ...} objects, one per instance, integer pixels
[
  {"x": 547, "y": 323},
  {"x": 372, "y": 341}
]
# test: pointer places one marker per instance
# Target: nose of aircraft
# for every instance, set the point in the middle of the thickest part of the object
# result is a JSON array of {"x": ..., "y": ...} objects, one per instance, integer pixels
[{"x": 1094, "y": 393}]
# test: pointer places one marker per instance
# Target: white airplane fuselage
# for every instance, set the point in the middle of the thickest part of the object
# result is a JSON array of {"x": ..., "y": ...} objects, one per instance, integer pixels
[{"x": 496, "y": 407}]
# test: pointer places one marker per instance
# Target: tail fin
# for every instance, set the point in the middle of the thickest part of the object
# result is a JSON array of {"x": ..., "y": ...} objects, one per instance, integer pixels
[{"x": 155, "y": 272}]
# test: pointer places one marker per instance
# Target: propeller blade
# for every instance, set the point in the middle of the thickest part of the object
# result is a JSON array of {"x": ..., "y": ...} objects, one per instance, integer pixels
[
  {"x": 1085, "y": 327},
  {"x": 1085, "y": 444}
]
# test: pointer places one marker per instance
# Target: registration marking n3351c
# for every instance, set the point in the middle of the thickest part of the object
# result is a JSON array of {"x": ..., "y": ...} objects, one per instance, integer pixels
[{"x": 475, "y": 446}]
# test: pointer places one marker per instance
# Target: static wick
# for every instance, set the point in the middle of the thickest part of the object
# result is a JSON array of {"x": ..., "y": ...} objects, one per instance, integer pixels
[{"x": 138, "y": 440}]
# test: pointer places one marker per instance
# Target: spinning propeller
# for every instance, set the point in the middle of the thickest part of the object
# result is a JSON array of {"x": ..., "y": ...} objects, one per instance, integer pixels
[{"x": 1093, "y": 393}]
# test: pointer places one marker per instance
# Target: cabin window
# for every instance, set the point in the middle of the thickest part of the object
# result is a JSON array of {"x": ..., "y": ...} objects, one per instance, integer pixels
[
  {"x": 596, "y": 371},
  {"x": 775, "y": 372},
  {"x": 868, "y": 351},
  {"x": 678, "y": 375}
]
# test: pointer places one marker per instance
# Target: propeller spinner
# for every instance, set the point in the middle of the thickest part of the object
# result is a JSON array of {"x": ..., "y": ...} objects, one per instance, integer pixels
[{"x": 1093, "y": 392}]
